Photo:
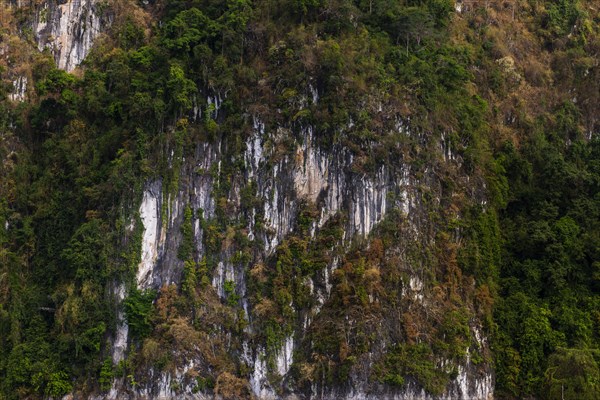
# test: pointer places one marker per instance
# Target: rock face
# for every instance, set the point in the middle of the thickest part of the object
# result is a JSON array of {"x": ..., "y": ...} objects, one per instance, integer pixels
[
  {"x": 68, "y": 29},
  {"x": 282, "y": 185},
  {"x": 152, "y": 239},
  {"x": 19, "y": 92}
]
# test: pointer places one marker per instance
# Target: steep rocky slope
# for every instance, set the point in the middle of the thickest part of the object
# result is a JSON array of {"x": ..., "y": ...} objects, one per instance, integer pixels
[{"x": 267, "y": 200}]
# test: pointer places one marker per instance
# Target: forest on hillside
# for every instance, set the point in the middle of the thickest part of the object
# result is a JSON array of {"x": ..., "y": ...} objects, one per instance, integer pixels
[{"x": 512, "y": 88}]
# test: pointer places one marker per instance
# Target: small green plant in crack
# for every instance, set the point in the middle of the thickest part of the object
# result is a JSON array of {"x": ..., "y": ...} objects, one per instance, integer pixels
[{"x": 232, "y": 297}]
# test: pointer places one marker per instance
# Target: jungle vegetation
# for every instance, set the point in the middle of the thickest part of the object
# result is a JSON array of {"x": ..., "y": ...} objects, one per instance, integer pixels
[{"x": 514, "y": 84}]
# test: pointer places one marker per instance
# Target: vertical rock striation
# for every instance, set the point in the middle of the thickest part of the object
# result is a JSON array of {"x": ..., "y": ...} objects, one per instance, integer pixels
[
  {"x": 68, "y": 29},
  {"x": 309, "y": 174}
]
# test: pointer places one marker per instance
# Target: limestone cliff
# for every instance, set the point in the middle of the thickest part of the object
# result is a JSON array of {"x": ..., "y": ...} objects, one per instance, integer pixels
[
  {"x": 68, "y": 29},
  {"x": 299, "y": 199}
]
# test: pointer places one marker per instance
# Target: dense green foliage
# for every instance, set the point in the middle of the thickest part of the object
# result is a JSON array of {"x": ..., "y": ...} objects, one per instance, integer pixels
[
  {"x": 549, "y": 280},
  {"x": 526, "y": 263}
]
